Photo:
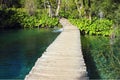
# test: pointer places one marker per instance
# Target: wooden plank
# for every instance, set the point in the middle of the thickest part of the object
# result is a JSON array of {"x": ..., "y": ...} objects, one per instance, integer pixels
[{"x": 63, "y": 59}]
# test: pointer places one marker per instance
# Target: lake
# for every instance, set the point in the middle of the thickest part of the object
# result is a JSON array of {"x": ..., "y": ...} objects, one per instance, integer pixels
[
  {"x": 19, "y": 49},
  {"x": 101, "y": 57}
]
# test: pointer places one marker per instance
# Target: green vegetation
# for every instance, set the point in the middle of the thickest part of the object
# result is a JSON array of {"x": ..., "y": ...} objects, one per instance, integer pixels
[
  {"x": 26, "y": 14},
  {"x": 95, "y": 27},
  {"x": 92, "y": 17},
  {"x": 19, "y": 50},
  {"x": 17, "y": 18},
  {"x": 105, "y": 57}
]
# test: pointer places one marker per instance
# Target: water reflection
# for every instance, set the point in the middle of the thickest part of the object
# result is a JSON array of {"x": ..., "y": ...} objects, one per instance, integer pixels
[
  {"x": 20, "y": 49},
  {"x": 102, "y": 58}
]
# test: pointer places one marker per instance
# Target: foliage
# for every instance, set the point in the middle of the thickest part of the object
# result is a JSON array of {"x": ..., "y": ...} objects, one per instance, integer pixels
[
  {"x": 69, "y": 14},
  {"x": 18, "y": 17},
  {"x": 105, "y": 56},
  {"x": 30, "y": 6},
  {"x": 5, "y": 19},
  {"x": 94, "y": 27}
]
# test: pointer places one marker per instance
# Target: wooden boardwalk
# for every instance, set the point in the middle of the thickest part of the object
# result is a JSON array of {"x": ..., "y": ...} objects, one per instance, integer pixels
[{"x": 63, "y": 59}]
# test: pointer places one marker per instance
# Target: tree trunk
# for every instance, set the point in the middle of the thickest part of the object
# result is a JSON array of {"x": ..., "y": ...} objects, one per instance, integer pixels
[
  {"x": 45, "y": 4},
  {"x": 3, "y": 4},
  {"x": 50, "y": 10},
  {"x": 89, "y": 5},
  {"x": 83, "y": 2},
  {"x": 58, "y": 8},
  {"x": 80, "y": 6},
  {"x": 0, "y": 3},
  {"x": 30, "y": 7}
]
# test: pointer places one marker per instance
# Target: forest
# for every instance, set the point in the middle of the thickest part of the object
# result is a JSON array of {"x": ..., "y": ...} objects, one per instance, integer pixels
[{"x": 99, "y": 18}]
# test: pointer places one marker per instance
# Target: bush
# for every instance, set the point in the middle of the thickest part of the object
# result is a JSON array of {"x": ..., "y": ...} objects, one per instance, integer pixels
[
  {"x": 18, "y": 17},
  {"x": 46, "y": 21},
  {"x": 5, "y": 19},
  {"x": 94, "y": 27},
  {"x": 69, "y": 14}
]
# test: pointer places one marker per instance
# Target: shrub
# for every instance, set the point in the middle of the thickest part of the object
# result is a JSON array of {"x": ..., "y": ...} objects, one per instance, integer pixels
[
  {"x": 94, "y": 27},
  {"x": 18, "y": 17}
]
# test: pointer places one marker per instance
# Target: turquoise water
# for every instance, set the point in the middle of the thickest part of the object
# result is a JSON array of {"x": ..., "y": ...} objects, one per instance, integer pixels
[
  {"x": 101, "y": 57},
  {"x": 19, "y": 49}
]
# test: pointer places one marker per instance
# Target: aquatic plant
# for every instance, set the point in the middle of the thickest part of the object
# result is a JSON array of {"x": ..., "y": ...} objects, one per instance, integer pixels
[{"x": 106, "y": 57}]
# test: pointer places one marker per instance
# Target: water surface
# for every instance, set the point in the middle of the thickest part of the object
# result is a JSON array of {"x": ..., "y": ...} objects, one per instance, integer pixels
[
  {"x": 19, "y": 49},
  {"x": 101, "y": 57}
]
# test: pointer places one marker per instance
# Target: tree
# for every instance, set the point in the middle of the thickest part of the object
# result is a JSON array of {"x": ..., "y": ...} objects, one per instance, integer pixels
[
  {"x": 84, "y": 8},
  {"x": 4, "y": 3},
  {"x": 50, "y": 10},
  {"x": 30, "y": 6},
  {"x": 80, "y": 7},
  {"x": 58, "y": 8},
  {"x": 11, "y": 3}
]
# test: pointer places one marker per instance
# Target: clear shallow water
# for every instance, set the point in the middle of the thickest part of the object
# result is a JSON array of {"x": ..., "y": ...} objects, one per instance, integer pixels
[
  {"x": 19, "y": 49},
  {"x": 102, "y": 58}
]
